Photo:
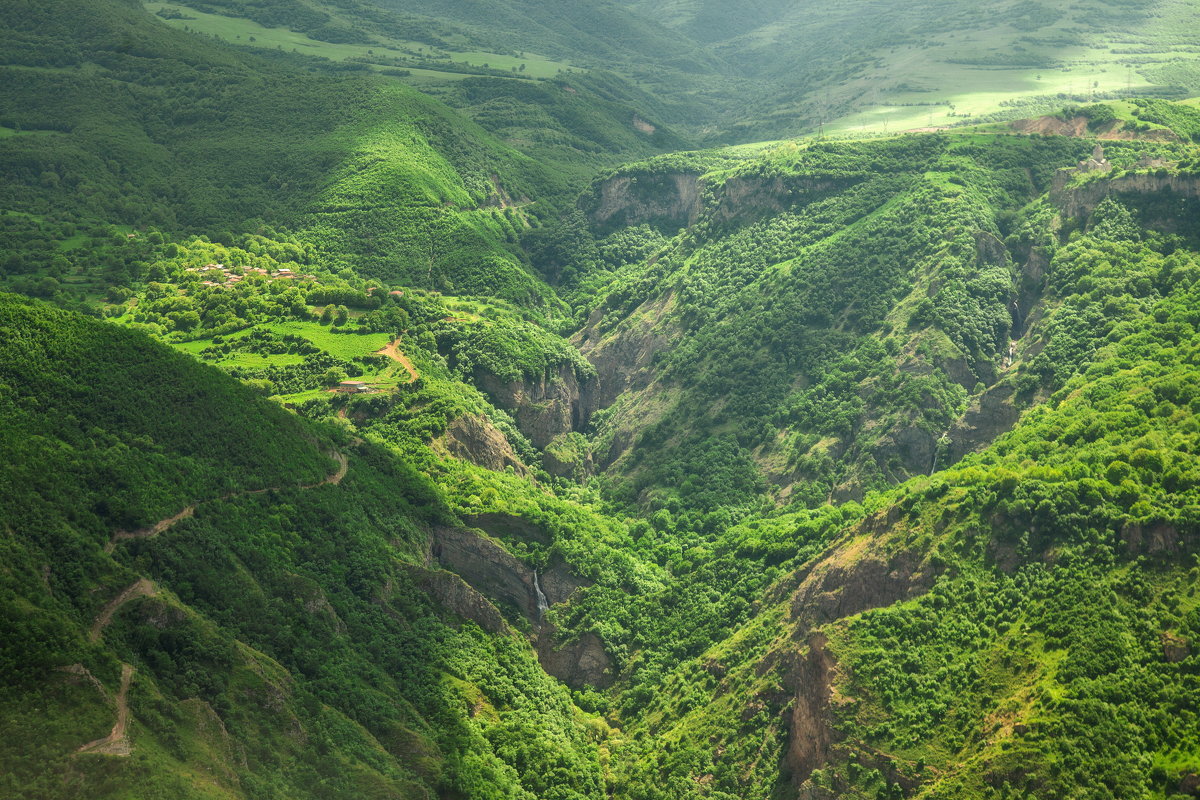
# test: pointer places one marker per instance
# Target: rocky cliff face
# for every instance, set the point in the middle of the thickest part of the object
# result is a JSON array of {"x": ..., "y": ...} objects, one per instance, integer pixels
[
  {"x": 1078, "y": 127},
  {"x": 488, "y": 567},
  {"x": 545, "y": 407},
  {"x": 452, "y": 592},
  {"x": 994, "y": 412},
  {"x": 810, "y": 732},
  {"x": 668, "y": 202},
  {"x": 745, "y": 198},
  {"x": 623, "y": 358},
  {"x": 474, "y": 438},
  {"x": 672, "y": 201},
  {"x": 582, "y": 662},
  {"x": 507, "y": 526},
  {"x": 866, "y": 570},
  {"x": 1080, "y": 201},
  {"x": 484, "y": 568}
]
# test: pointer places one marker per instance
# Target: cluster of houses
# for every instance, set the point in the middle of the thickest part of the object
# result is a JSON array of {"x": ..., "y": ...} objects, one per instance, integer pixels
[{"x": 221, "y": 275}]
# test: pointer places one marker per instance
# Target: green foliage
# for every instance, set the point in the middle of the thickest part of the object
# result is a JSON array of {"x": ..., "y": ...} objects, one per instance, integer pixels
[
  {"x": 318, "y": 656},
  {"x": 1182, "y": 119},
  {"x": 777, "y": 331}
]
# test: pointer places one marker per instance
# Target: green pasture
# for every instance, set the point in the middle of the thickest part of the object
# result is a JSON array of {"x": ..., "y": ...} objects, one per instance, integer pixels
[
  {"x": 237, "y": 30},
  {"x": 967, "y": 74}
]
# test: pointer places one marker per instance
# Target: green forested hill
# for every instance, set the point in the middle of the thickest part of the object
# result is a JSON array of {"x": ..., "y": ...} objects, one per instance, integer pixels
[
  {"x": 277, "y": 641},
  {"x": 393, "y": 409},
  {"x": 136, "y": 124}
]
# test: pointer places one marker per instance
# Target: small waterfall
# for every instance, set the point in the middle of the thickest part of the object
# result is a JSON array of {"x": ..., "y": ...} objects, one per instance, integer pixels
[
  {"x": 542, "y": 605},
  {"x": 944, "y": 438}
]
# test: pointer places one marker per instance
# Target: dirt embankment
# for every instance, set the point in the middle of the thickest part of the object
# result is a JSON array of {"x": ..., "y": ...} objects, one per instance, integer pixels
[{"x": 1080, "y": 127}]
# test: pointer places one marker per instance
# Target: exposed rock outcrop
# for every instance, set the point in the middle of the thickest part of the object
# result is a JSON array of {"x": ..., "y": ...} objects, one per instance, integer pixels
[
  {"x": 452, "y": 592},
  {"x": 1078, "y": 126},
  {"x": 811, "y": 733},
  {"x": 992, "y": 413},
  {"x": 1052, "y": 126},
  {"x": 1080, "y": 201},
  {"x": 491, "y": 570},
  {"x": 582, "y": 662},
  {"x": 568, "y": 456},
  {"x": 1152, "y": 539},
  {"x": 745, "y": 198},
  {"x": 1175, "y": 647},
  {"x": 854, "y": 576},
  {"x": 668, "y": 202},
  {"x": 552, "y": 404},
  {"x": 474, "y": 438},
  {"x": 315, "y": 603},
  {"x": 487, "y": 567},
  {"x": 623, "y": 358}
]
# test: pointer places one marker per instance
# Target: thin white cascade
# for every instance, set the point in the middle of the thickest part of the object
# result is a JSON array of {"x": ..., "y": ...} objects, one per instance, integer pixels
[{"x": 542, "y": 605}]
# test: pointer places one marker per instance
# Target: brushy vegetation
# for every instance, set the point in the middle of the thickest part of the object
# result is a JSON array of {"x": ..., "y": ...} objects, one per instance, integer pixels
[{"x": 852, "y": 468}]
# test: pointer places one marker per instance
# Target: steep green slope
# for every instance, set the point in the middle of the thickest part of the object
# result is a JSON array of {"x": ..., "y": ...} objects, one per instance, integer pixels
[
  {"x": 1021, "y": 625},
  {"x": 277, "y": 638},
  {"x": 833, "y": 319}
]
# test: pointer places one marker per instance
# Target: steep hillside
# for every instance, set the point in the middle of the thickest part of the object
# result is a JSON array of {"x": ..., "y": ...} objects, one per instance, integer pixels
[
  {"x": 835, "y": 318},
  {"x": 396, "y": 419},
  {"x": 1021, "y": 625},
  {"x": 283, "y": 635}
]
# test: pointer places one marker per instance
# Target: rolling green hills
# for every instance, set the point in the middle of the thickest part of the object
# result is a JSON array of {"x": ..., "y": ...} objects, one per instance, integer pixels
[{"x": 393, "y": 405}]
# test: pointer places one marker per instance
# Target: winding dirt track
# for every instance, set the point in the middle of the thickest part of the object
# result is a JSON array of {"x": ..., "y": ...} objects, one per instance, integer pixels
[
  {"x": 332, "y": 479},
  {"x": 140, "y": 588},
  {"x": 116, "y": 744},
  {"x": 393, "y": 352}
]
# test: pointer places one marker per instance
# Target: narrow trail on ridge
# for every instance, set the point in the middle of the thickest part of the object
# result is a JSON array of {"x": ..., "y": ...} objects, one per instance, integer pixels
[
  {"x": 333, "y": 479},
  {"x": 117, "y": 742}
]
